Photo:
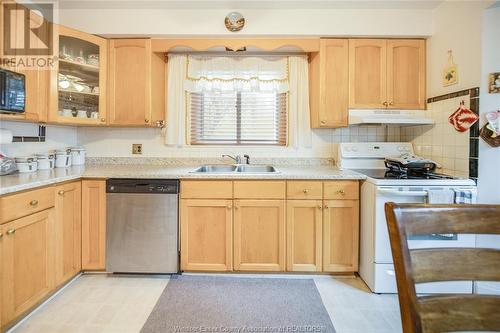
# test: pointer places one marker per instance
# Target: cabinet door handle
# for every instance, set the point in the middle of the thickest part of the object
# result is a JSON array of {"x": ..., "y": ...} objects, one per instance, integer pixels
[
  {"x": 1, "y": 235},
  {"x": 305, "y": 191},
  {"x": 229, "y": 207},
  {"x": 61, "y": 192},
  {"x": 323, "y": 122},
  {"x": 391, "y": 103},
  {"x": 385, "y": 103},
  {"x": 326, "y": 206},
  {"x": 33, "y": 203},
  {"x": 146, "y": 121},
  {"x": 11, "y": 231},
  {"x": 320, "y": 207},
  {"x": 341, "y": 192},
  {"x": 103, "y": 120}
]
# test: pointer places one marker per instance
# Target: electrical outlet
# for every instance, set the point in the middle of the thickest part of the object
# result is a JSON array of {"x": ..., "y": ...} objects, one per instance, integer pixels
[{"x": 137, "y": 148}]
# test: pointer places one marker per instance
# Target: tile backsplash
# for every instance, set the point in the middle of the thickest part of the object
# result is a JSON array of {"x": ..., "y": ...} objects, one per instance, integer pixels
[
  {"x": 441, "y": 142},
  {"x": 98, "y": 141}
]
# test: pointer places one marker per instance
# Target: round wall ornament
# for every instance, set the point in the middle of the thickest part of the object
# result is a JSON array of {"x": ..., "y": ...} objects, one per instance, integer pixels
[{"x": 234, "y": 21}]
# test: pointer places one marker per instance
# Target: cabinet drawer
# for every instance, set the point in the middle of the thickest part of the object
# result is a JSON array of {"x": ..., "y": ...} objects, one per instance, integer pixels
[
  {"x": 22, "y": 204},
  {"x": 206, "y": 189},
  {"x": 304, "y": 190},
  {"x": 344, "y": 189},
  {"x": 252, "y": 189}
]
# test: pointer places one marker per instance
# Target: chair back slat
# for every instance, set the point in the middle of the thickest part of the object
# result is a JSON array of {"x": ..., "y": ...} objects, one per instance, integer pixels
[
  {"x": 444, "y": 313},
  {"x": 440, "y": 264},
  {"x": 446, "y": 219},
  {"x": 459, "y": 313}
]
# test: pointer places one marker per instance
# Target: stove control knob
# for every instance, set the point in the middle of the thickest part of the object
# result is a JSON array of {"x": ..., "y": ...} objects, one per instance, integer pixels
[{"x": 401, "y": 148}]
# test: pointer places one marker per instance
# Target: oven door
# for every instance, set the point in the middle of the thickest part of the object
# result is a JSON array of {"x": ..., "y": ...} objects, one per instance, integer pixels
[{"x": 409, "y": 194}]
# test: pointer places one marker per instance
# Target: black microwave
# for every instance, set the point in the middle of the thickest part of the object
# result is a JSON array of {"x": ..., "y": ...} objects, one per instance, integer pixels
[{"x": 12, "y": 92}]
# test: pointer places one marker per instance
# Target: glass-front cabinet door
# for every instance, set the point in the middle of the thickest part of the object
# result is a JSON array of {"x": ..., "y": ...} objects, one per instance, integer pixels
[{"x": 78, "y": 87}]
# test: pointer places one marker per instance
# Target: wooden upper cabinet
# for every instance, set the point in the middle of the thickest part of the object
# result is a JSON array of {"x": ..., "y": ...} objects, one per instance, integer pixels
[
  {"x": 406, "y": 74},
  {"x": 137, "y": 79},
  {"x": 129, "y": 86},
  {"x": 78, "y": 86},
  {"x": 367, "y": 73},
  {"x": 387, "y": 73},
  {"x": 93, "y": 224},
  {"x": 68, "y": 231},
  {"x": 328, "y": 86},
  {"x": 37, "y": 79}
]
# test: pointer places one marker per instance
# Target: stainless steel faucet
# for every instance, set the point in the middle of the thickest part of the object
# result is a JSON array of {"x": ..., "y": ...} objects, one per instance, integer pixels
[{"x": 236, "y": 158}]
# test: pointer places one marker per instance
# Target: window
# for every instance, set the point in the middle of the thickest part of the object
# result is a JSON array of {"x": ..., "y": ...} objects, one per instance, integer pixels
[{"x": 238, "y": 118}]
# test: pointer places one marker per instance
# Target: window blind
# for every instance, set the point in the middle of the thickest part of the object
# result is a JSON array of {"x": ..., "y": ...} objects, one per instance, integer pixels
[{"x": 238, "y": 118}]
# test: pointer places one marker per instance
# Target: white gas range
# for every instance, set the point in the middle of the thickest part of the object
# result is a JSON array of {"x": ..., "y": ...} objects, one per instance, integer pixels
[{"x": 382, "y": 185}]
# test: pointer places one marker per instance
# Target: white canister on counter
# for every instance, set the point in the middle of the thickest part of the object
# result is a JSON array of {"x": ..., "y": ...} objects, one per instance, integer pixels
[
  {"x": 26, "y": 164},
  {"x": 77, "y": 155},
  {"x": 63, "y": 158},
  {"x": 46, "y": 161}
]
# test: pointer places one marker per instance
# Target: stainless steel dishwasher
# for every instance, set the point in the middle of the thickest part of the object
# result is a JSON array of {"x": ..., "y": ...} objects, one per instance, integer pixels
[{"x": 142, "y": 226}]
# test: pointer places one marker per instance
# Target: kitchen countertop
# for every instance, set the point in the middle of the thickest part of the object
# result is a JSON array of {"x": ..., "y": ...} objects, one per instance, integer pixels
[{"x": 19, "y": 182}]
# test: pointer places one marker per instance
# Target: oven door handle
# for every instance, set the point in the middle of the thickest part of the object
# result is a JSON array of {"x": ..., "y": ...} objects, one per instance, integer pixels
[{"x": 403, "y": 193}]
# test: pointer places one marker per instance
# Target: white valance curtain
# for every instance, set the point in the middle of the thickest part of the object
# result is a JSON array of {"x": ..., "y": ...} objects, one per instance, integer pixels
[
  {"x": 190, "y": 73},
  {"x": 219, "y": 73}
]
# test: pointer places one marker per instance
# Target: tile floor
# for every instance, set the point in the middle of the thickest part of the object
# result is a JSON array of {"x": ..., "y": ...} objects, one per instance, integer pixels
[{"x": 96, "y": 303}]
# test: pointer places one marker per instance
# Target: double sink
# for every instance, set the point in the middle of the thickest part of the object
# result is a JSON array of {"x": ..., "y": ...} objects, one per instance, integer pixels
[{"x": 242, "y": 168}]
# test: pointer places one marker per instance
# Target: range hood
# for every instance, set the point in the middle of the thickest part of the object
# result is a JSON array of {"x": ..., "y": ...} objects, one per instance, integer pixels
[{"x": 403, "y": 117}]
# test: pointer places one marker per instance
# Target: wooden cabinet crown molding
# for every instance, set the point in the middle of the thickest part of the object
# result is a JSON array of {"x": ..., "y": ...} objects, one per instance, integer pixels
[{"x": 264, "y": 44}]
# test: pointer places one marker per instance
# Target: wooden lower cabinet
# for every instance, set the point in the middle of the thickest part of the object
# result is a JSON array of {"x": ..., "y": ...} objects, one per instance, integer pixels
[
  {"x": 340, "y": 235},
  {"x": 206, "y": 234},
  {"x": 300, "y": 226},
  {"x": 68, "y": 231},
  {"x": 259, "y": 235},
  {"x": 27, "y": 263},
  {"x": 304, "y": 235},
  {"x": 93, "y": 224}
]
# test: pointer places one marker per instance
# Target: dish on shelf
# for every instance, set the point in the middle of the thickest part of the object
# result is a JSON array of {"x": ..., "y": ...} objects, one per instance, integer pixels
[
  {"x": 72, "y": 83},
  {"x": 93, "y": 60}
]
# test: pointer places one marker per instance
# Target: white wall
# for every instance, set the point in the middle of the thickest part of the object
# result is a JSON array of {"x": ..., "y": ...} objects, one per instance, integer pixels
[
  {"x": 457, "y": 27},
  {"x": 489, "y": 158},
  {"x": 56, "y": 137},
  {"x": 300, "y": 22}
]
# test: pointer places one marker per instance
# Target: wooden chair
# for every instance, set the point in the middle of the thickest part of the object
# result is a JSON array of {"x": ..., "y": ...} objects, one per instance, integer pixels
[{"x": 452, "y": 312}]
